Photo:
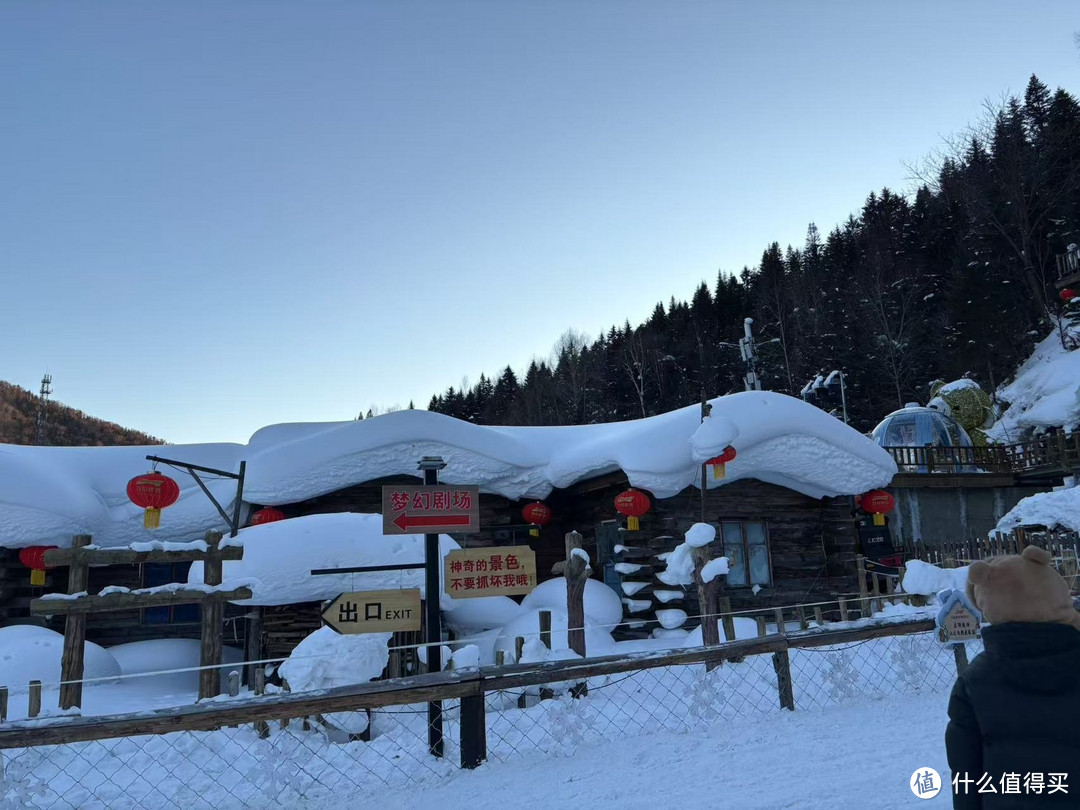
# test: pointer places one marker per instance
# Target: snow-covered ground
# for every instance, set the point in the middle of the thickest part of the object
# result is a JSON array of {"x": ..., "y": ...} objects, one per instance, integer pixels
[{"x": 858, "y": 755}]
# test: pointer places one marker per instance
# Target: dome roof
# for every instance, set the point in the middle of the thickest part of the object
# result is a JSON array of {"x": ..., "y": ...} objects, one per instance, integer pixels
[{"x": 915, "y": 426}]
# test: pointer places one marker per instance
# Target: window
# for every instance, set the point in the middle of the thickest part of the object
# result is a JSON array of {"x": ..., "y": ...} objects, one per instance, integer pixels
[
  {"x": 154, "y": 574},
  {"x": 746, "y": 545}
]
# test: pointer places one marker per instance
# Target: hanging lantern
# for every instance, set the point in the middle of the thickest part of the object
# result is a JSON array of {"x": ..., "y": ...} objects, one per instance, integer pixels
[
  {"x": 267, "y": 514},
  {"x": 633, "y": 503},
  {"x": 33, "y": 557},
  {"x": 718, "y": 463},
  {"x": 152, "y": 492},
  {"x": 537, "y": 514},
  {"x": 1067, "y": 295},
  {"x": 877, "y": 502}
]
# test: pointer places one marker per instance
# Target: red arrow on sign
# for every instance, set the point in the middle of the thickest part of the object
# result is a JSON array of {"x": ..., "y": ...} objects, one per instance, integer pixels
[{"x": 404, "y": 522}]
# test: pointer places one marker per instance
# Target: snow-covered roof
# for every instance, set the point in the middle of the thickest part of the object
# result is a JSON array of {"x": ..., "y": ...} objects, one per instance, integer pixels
[
  {"x": 1060, "y": 508},
  {"x": 50, "y": 493}
]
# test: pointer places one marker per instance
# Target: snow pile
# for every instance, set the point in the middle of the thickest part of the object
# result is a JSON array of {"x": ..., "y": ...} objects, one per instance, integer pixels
[
  {"x": 326, "y": 659},
  {"x": 52, "y": 493},
  {"x": 700, "y": 534},
  {"x": 467, "y": 657},
  {"x": 603, "y": 607},
  {"x": 597, "y": 640},
  {"x": 1044, "y": 394},
  {"x": 671, "y": 618},
  {"x": 30, "y": 653},
  {"x": 159, "y": 655},
  {"x": 929, "y": 580},
  {"x": 714, "y": 568},
  {"x": 1050, "y": 509}
]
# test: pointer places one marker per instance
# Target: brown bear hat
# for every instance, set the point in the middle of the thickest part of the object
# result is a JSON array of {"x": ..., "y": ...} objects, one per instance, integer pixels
[{"x": 1021, "y": 588}]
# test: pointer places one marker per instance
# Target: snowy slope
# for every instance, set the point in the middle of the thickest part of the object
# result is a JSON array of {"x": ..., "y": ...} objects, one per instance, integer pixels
[
  {"x": 57, "y": 492},
  {"x": 1044, "y": 394}
]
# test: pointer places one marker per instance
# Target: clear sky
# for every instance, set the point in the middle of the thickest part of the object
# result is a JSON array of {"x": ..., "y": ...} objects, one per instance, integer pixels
[{"x": 220, "y": 215}]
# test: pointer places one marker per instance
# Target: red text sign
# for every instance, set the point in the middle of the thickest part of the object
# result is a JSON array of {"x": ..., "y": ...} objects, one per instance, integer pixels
[
  {"x": 430, "y": 510},
  {"x": 502, "y": 571}
]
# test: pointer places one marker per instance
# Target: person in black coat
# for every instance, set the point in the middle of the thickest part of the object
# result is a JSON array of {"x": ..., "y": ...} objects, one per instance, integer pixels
[{"x": 1014, "y": 714}]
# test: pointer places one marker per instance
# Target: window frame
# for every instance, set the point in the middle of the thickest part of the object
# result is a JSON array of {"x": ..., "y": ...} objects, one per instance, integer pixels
[
  {"x": 176, "y": 576},
  {"x": 746, "y": 551}
]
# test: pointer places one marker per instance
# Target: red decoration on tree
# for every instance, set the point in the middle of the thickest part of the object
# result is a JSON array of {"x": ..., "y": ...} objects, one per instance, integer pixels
[
  {"x": 152, "y": 492},
  {"x": 718, "y": 463},
  {"x": 538, "y": 514},
  {"x": 267, "y": 514},
  {"x": 633, "y": 503},
  {"x": 877, "y": 502},
  {"x": 33, "y": 557},
  {"x": 1067, "y": 295}
]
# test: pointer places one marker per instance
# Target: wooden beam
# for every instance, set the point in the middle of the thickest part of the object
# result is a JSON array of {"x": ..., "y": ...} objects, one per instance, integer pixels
[
  {"x": 213, "y": 624},
  {"x": 56, "y": 558},
  {"x": 133, "y": 601},
  {"x": 952, "y": 480},
  {"x": 71, "y": 662}
]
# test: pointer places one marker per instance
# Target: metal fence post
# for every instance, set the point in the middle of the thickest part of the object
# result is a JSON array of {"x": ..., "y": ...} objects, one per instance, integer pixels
[{"x": 473, "y": 731}]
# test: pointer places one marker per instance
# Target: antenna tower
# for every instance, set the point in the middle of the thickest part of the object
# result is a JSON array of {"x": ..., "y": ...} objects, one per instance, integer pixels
[{"x": 43, "y": 408}]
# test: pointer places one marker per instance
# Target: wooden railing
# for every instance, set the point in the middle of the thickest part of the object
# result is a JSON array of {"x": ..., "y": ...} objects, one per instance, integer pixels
[{"x": 1054, "y": 452}]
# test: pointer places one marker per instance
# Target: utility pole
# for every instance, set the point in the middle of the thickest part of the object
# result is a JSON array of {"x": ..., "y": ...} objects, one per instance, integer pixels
[
  {"x": 749, "y": 356},
  {"x": 43, "y": 408},
  {"x": 432, "y": 594}
]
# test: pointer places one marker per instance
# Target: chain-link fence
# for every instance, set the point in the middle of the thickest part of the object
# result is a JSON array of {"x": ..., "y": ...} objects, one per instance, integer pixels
[{"x": 310, "y": 750}]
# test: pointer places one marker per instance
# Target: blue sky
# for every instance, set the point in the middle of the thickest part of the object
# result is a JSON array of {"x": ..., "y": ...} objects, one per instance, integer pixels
[{"x": 221, "y": 215}]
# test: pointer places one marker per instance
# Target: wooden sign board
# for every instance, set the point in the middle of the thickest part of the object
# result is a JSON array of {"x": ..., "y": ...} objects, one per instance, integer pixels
[
  {"x": 374, "y": 612},
  {"x": 498, "y": 571},
  {"x": 960, "y": 625},
  {"x": 430, "y": 510}
]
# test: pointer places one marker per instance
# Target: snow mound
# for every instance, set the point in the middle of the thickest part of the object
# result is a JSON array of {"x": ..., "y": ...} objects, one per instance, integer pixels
[
  {"x": 157, "y": 655},
  {"x": 928, "y": 580},
  {"x": 671, "y": 618},
  {"x": 30, "y": 653},
  {"x": 1044, "y": 394},
  {"x": 700, "y": 534},
  {"x": 56, "y": 492},
  {"x": 744, "y": 628},
  {"x": 603, "y": 606},
  {"x": 597, "y": 640},
  {"x": 1050, "y": 509},
  {"x": 326, "y": 659},
  {"x": 714, "y": 568}
]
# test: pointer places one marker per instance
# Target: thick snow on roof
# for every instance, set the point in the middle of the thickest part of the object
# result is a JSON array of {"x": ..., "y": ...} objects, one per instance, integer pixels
[
  {"x": 50, "y": 493},
  {"x": 1050, "y": 509},
  {"x": 1044, "y": 394}
]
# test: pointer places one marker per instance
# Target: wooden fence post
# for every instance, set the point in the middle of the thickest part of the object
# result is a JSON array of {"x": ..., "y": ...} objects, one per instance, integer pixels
[
  {"x": 213, "y": 614},
  {"x": 803, "y": 624},
  {"x": 818, "y": 617},
  {"x": 545, "y": 639},
  {"x": 864, "y": 602},
  {"x": 519, "y": 648},
  {"x": 259, "y": 687},
  {"x": 782, "y": 665},
  {"x": 576, "y": 573},
  {"x": 708, "y": 599},
  {"x": 72, "y": 660},
  {"x": 253, "y": 644},
  {"x": 842, "y": 602},
  {"x": 473, "y": 731},
  {"x": 778, "y": 614},
  {"x": 33, "y": 699},
  {"x": 3, "y": 704},
  {"x": 727, "y": 619},
  {"x": 762, "y": 630}
]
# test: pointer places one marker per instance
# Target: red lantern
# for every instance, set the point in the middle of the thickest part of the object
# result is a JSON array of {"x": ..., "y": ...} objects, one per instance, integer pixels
[
  {"x": 537, "y": 514},
  {"x": 152, "y": 492},
  {"x": 267, "y": 515},
  {"x": 718, "y": 463},
  {"x": 877, "y": 502},
  {"x": 633, "y": 503},
  {"x": 33, "y": 557},
  {"x": 1067, "y": 295}
]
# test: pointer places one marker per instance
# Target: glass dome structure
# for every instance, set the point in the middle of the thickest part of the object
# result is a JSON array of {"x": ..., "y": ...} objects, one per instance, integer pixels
[{"x": 916, "y": 426}]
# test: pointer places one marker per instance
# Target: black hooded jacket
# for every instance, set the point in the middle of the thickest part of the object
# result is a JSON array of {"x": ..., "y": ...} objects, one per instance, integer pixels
[{"x": 1016, "y": 710}]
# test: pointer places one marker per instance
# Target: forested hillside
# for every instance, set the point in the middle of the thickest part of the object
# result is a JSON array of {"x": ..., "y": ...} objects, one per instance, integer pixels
[
  {"x": 955, "y": 280},
  {"x": 65, "y": 426}
]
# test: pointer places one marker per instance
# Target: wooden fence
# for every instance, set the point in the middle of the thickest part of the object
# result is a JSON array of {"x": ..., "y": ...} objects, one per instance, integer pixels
[
  {"x": 1055, "y": 452},
  {"x": 469, "y": 686}
]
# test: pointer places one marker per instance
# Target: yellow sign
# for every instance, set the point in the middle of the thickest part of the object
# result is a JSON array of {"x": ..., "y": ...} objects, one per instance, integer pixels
[
  {"x": 500, "y": 571},
  {"x": 374, "y": 612}
]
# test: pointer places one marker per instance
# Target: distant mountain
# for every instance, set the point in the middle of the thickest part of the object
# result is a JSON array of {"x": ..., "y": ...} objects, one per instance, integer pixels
[{"x": 66, "y": 426}]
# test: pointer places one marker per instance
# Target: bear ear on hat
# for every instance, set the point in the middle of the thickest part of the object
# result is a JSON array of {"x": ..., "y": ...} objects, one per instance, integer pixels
[
  {"x": 979, "y": 572},
  {"x": 1036, "y": 555}
]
